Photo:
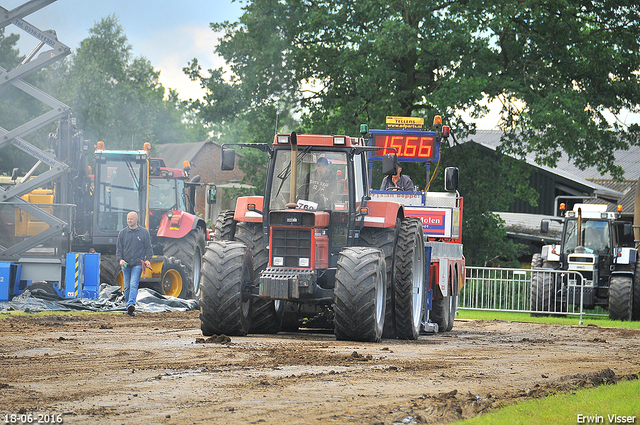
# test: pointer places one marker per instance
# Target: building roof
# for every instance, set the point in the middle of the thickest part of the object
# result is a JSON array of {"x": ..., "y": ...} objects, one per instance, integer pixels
[
  {"x": 527, "y": 226},
  {"x": 564, "y": 168},
  {"x": 174, "y": 154}
]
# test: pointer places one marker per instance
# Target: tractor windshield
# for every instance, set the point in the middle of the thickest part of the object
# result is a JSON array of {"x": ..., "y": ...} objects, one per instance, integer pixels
[
  {"x": 164, "y": 194},
  {"x": 595, "y": 236},
  {"x": 321, "y": 180}
]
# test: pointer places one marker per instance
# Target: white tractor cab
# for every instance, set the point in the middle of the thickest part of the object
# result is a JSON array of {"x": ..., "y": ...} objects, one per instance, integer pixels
[{"x": 598, "y": 245}]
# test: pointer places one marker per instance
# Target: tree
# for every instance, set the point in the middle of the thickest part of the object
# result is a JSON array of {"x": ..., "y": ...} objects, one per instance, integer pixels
[
  {"x": 117, "y": 98},
  {"x": 557, "y": 67}
]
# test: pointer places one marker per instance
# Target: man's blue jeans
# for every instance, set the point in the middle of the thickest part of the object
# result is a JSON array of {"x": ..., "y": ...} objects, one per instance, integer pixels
[{"x": 131, "y": 277}]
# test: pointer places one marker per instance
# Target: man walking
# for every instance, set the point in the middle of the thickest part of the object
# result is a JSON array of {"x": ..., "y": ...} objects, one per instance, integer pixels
[{"x": 133, "y": 249}]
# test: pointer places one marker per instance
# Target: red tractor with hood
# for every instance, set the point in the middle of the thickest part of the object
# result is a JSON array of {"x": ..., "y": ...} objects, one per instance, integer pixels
[{"x": 342, "y": 260}]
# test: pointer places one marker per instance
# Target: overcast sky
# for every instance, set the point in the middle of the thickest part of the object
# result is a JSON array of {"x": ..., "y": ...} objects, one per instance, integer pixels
[{"x": 168, "y": 33}]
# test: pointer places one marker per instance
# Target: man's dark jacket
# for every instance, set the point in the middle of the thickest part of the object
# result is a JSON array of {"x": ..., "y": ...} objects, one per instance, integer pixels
[{"x": 134, "y": 245}]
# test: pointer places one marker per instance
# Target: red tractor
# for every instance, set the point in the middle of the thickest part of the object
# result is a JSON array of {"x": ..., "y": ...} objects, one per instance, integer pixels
[
  {"x": 314, "y": 252},
  {"x": 176, "y": 230}
]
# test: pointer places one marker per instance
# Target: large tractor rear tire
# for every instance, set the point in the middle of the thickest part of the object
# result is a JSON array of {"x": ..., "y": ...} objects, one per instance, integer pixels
[
  {"x": 620, "y": 298},
  {"x": 266, "y": 313},
  {"x": 385, "y": 239},
  {"x": 225, "y": 227},
  {"x": 360, "y": 294},
  {"x": 175, "y": 281},
  {"x": 227, "y": 273},
  {"x": 409, "y": 284},
  {"x": 189, "y": 250}
]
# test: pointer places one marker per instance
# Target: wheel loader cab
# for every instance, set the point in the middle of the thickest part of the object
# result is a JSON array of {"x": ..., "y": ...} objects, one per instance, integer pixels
[{"x": 121, "y": 179}]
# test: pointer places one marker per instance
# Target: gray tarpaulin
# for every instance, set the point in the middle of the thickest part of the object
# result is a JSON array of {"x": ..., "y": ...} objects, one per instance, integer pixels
[{"x": 110, "y": 298}]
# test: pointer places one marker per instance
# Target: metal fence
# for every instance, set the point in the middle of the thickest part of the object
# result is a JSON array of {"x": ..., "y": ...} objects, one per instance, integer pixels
[{"x": 556, "y": 292}]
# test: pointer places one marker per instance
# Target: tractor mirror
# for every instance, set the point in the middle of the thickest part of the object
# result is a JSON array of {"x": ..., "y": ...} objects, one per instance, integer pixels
[
  {"x": 228, "y": 159},
  {"x": 389, "y": 164},
  {"x": 155, "y": 168},
  {"x": 195, "y": 179},
  {"x": 451, "y": 178},
  {"x": 212, "y": 195},
  {"x": 544, "y": 226},
  {"x": 627, "y": 229}
]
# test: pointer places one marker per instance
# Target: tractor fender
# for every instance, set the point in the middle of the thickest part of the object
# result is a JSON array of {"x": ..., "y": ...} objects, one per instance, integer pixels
[
  {"x": 179, "y": 225},
  {"x": 242, "y": 212},
  {"x": 383, "y": 214}
]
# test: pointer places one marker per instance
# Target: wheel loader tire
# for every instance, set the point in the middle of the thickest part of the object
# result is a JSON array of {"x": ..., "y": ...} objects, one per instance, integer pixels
[
  {"x": 189, "y": 250},
  {"x": 227, "y": 273},
  {"x": 385, "y": 240},
  {"x": 110, "y": 271},
  {"x": 266, "y": 313},
  {"x": 409, "y": 283},
  {"x": 44, "y": 290},
  {"x": 635, "y": 315},
  {"x": 175, "y": 279},
  {"x": 620, "y": 298},
  {"x": 225, "y": 227},
  {"x": 360, "y": 294}
]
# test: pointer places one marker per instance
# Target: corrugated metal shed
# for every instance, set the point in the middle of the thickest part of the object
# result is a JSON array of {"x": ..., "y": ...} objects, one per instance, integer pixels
[
  {"x": 174, "y": 154},
  {"x": 564, "y": 171}
]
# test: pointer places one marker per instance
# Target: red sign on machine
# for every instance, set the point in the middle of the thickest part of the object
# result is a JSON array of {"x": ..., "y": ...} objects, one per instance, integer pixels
[{"x": 434, "y": 222}]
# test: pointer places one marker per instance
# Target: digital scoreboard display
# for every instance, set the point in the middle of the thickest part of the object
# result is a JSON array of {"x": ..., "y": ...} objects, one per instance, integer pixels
[{"x": 409, "y": 146}]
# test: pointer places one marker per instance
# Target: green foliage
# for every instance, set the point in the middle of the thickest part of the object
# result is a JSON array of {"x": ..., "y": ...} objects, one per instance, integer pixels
[
  {"x": 559, "y": 69},
  {"x": 116, "y": 97},
  {"x": 487, "y": 184}
]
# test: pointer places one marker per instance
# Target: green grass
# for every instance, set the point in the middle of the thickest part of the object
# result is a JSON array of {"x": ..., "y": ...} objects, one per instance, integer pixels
[
  {"x": 568, "y": 320},
  {"x": 620, "y": 399}
]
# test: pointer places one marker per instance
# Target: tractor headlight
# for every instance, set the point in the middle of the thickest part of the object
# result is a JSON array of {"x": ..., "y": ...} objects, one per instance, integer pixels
[
  {"x": 303, "y": 262},
  {"x": 278, "y": 261}
]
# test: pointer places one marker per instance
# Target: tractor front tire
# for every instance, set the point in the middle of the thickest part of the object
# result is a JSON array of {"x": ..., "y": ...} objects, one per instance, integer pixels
[
  {"x": 635, "y": 315},
  {"x": 227, "y": 274},
  {"x": 266, "y": 313},
  {"x": 409, "y": 279},
  {"x": 541, "y": 290},
  {"x": 385, "y": 239},
  {"x": 360, "y": 294},
  {"x": 225, "y": 227},
  {"x": 620, "y": 298},
  {"x": 189, "y": 250}
]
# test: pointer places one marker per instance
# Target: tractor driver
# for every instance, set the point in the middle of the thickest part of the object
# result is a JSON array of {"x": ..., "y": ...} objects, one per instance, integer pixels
[
  {"x": 397, "y": 182},
  {"x": 322, "y": 184}
]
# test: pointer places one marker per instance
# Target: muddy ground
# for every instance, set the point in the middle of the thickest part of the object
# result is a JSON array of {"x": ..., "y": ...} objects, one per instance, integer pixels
[{"x": 157, "y": 368}]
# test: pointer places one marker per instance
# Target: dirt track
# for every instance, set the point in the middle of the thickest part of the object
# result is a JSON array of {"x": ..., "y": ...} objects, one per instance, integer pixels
[{"x": 154, "y": 368}]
